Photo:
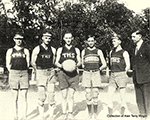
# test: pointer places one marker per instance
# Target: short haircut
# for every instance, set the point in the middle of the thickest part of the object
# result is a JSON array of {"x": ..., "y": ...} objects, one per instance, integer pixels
[
  {"x": 21, "y": 33},
  {"x": 117, "y": 37},
  {"x": 67, "y": 31},
  {"x": 141, "y": 32},
  {"x": 46, "y": 31},
  {"x": 90, "y": 36}
]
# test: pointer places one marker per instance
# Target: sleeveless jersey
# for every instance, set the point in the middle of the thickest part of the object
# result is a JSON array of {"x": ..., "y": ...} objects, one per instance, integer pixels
[
  {"x": 117, "y": 61},
  {"x": 91, "y": 59},
  {"x": 68, "y": 54},
  {"x": 18, "y": 60},
  {"x": 44, "y": 58}
]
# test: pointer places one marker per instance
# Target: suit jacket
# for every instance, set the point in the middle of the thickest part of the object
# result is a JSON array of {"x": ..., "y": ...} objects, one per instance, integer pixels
[{"x": 141, "y": 65}]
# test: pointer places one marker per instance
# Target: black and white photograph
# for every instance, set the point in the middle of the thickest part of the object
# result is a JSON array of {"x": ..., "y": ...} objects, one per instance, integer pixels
[{"x": 74, "y": 60}]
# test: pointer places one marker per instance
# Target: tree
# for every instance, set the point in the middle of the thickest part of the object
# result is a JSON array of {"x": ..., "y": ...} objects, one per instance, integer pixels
[{"x": 104, "y": 19}]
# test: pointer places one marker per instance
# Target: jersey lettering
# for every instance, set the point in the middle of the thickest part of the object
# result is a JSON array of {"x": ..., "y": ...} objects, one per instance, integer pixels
[
  {"x": 46, "y": 56},
  {"x": 115, "y": 59},
  {"x": 18, "y": 55},
  {"x": 91, "y": 59},
  {"x": 68, "y": 55}
]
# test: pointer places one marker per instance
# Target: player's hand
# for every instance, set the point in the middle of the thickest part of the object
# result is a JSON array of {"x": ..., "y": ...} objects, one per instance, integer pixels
[
  {"x": 127, "y": 69},
  {"x": 129, "y": 73}
]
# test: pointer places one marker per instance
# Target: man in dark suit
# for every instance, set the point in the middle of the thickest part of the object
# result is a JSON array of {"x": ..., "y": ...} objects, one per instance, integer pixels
[{"x": 141, "y": 76}]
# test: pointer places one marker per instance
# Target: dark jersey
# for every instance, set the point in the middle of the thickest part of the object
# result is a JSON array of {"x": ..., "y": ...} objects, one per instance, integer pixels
[
  {"x": 44, "y": 58},
  {"x": 117, "y": 61},
  {"x": 18, "y": 60},
  {"x": 91, "y": 59},
  {"x": 68, "y": 54}
]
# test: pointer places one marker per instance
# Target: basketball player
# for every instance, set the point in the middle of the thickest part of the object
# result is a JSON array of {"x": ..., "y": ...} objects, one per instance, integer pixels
[
  {"x": 17, "y": 63},
  {"x": 120, "y": 65},
  {"x": 93, "y": 62},
  {"x": 68, "y": 81},
  {"x": 43, "y": 57}
]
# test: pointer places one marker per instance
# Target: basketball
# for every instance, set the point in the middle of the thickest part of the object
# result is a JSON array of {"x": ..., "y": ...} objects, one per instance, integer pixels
[{"x": 69, "y": 65}]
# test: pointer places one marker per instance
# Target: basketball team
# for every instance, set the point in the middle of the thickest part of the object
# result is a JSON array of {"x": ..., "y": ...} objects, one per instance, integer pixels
[{"x": 61, "y": 66}]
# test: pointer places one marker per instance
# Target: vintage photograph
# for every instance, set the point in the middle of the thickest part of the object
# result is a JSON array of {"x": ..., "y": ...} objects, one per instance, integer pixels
[{"x": 74, "y": 60}]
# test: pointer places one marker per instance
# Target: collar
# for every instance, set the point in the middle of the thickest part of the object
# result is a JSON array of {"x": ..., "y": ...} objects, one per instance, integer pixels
[
  {"x": 68, "y": 47},
  {"x": 18, "y": 47},
  {"x": 138, "y": 45},
  {"x": 93, "y": 48},
  {"x": 44, "y": 46},
  {"x": 118, "y": 48}
]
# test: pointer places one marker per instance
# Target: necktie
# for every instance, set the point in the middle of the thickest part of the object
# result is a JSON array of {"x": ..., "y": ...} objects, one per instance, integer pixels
[{"x": 136, "y": 49}]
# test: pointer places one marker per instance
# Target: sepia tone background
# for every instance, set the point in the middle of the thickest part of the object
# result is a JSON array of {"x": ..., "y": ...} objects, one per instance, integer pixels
[{"x": 104, "y": 18}]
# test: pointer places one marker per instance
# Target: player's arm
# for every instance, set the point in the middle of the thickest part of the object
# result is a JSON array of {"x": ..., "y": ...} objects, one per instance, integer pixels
[
  {"x": 82, "y": 57},
  {"x": 58, "y": 55},
  {"x": 104, "y": 65},
  {"x": 147, "y": 52},
  {"x": 8, "y": 59},
  {"x": 34, "y": 56},
  {"x": 127, "y": 60},
  {"x": 54, "y": 54},
  {"x": 110, "y": 58},
  {"x": 78, "y": 57},
  {"x": 27, "y": 56}
]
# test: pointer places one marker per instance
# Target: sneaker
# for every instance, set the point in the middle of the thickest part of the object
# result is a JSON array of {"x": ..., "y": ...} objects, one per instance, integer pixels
[
  {"x": 63, "y": 117},
  {"x": 51, "y": 118},
  {"x": 89, "y": 117},
  {"x": 24, "y": 118},
  {"x": 95, "y": 116},
  {"x": 70, "y": 116},
  {"x": 15, "y": 118},
  {"x": 41, "y": 118},
  {"x": 122, "y": 110},
  {"x": 110, "y": 111}
]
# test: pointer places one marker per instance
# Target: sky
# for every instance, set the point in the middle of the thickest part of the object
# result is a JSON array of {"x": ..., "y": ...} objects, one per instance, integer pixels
[{"x": 135, "y": 5}]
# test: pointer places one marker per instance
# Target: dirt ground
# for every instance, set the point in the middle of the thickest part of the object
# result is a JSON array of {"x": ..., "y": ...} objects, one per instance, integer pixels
[{"x": 80, "y": 110}]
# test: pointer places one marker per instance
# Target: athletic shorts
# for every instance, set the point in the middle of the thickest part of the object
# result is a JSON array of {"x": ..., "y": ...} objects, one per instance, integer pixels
[
  {"x": 18, "y": 79},
  {"x": 91, "y": 79},
  {"x": 118, "y": 79},
  {"x": 45, "y": 77},
  {"x": 67, "y": 80}
]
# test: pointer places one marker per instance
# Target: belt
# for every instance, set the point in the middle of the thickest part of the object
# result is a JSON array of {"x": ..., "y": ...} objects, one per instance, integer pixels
[
  {"x": 92, "y": 70},
  {"x": 48, "y": 69}
]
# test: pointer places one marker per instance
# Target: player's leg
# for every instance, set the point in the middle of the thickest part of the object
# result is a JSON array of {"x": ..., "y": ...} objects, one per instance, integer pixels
[
  {"x": 63, "y": 84},
  {"x": 122, "y": 81},
  {"x": 64, "y": 102},
  {"x": 51, "y": 92},
  {"x": 89, "y": 101},
  {"x": 14, "y": 77},
  {"x": 24, "y": 84},
  {"x": 111, "y": 91},
  {"x": 95, "y": 101},
  {"x": 70, "y": 100},
  {"x": 41, "y": 100},
  {"x": 50, "y": 98},
  {"x": 123, "y": 103},
  {"x": 15, "y": 93},
  {"x": 23, "y": 94},
  {"x": 96, "y": 83},
  {"x": 41, "y": 78}
]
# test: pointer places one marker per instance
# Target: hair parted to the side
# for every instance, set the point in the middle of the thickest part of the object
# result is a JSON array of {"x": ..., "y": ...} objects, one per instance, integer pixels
[
  {"x": 89, "y": 33},
  {"x": 19, "y": 32},
  {"x": 139, "y": 31},
  {"x": 46, "y": 30},
  {"x": 117, "y": 37},
  {"x": 67, "y": 31}
]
